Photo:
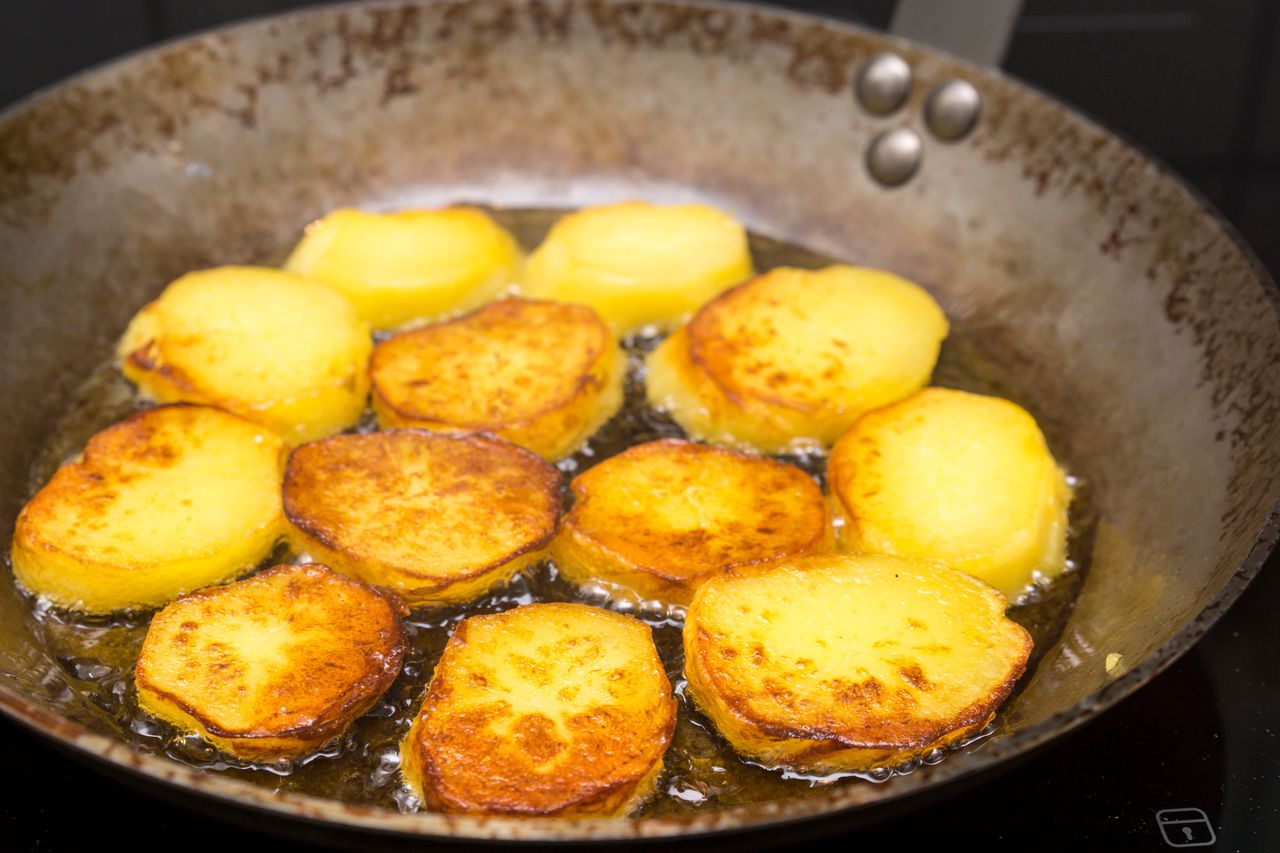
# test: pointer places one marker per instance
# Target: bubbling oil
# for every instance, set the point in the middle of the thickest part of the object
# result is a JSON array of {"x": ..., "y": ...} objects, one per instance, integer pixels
[{"x": 701, "y": 771}]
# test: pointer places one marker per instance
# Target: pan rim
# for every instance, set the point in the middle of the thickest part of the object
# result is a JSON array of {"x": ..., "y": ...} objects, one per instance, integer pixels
[{"x": 720, "y": 822}]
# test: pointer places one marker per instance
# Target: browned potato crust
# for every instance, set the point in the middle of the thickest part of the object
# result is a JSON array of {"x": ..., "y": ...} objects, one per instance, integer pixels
[
  {"x": 272, "y": 666},
  {"x": 662, "y": 517},
  {"x": 169, "y": 500},
  {"x": 441, "y": 519},
  {"x": 543, "y": 375},
  {"x": 843, "y": 662},
  {"x": 791, "y": 358},
  {"x": 548, "y": 709}
]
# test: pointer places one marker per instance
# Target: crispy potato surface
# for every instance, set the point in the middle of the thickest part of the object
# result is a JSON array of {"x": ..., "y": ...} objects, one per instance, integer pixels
[
  {"x": 408, "y": 265},
  {"x": 662, "y": 517},
  {"x": 548, "y": 709},
  {"x": 960, "y": 478},
  {"x": 543, "y": 375},
  {"x": 794, "y": 356},
  {"x": 271, "y": 346},
  {"x": 272, "y": 666},
  {"x": 441, "y": 519},
  {"x": 849, "y": 662},
  {"x": 166, "y": 501},
  {"x": 638, "y": 263}
]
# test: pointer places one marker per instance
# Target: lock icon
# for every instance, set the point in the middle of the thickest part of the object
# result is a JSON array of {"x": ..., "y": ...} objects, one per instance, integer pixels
[{"x": 1186, "y": 828}]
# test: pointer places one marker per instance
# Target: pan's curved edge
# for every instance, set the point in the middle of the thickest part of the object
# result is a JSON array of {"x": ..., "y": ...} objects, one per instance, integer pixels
[{"x": 243, "y": 794}]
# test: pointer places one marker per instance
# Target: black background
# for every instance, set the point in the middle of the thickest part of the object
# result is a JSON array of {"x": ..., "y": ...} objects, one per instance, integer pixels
[{"x": 1197, "y": 83}]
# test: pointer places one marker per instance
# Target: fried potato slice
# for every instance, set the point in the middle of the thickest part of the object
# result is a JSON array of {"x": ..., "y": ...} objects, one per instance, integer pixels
[
  {"x": 441, "y": 519},
  {"x": 662, "y": 517},
  {"x": 844, "y": 662},
  {"x": 169, "y": 500},
  {"x": 793, "y": 357},
  {"x": 547, "y": 709},
  {"x": 638, "y": 263},
  {"x": 960, "y": 478},
  {"x": 543, "y": 375},
  {"x": 272, "y": 666},
  {"x": 278, "y": 349},
  {"x": 408, "y": 265}
]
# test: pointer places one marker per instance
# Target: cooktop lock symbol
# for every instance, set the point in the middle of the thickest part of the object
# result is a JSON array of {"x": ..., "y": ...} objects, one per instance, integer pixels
[{"x": 1186, "y": 828}]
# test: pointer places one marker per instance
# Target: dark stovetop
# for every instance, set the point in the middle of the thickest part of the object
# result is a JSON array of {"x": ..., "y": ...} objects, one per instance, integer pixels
[{"x": 1203, "y": 735}]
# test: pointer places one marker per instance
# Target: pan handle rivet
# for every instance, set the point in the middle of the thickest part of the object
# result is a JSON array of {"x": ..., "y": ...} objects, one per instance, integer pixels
[
  {"x": 894, "y": 156},
  {"x": 883, "y": 83},
  {"x": 951, "y": 110}
]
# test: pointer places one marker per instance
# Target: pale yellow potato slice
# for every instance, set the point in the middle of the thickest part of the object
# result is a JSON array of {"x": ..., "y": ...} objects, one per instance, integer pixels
[
  {"x": 276, "y": 348},
  {"x": 960, "y": 478},
  {"x": 543, "y": 375},
  {"x": 273, "y": 666},
  {"x": 792, "y": 358},
  {"x": 844, "y": 662},
  {"x": 169, "y": 500},
  {"x": 440, "y": 519},
  {"x": 639, "y": 264},
  {"x": 661, "y": 518},
  {"x": 397, "y": 268},
  {"x": 548, "y": 709}
]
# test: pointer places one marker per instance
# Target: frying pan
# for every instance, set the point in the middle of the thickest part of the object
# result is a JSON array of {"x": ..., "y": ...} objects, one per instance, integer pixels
[{"x": 1132, "y": 320}]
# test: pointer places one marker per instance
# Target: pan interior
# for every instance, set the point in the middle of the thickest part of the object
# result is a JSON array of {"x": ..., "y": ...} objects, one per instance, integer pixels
[{"x": 96, "y": 655}]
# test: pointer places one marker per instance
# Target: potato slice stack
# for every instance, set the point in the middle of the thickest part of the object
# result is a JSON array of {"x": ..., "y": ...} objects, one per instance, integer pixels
[
  {"x": 802, "y": 657},
  {"x": 543, "y": 375}
]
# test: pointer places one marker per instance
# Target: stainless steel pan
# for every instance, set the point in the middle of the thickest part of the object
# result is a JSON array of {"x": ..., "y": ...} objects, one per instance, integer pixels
[{"x": 1133, "y": 320}]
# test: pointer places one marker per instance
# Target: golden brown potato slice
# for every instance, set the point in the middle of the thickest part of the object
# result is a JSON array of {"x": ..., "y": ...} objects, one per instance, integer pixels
[
  {"x": 166, "y": 501},
  {"x": 278, "y": 349},
  {"x": 272, "y": 666},
  {"x": 847, "y": 662},
  {"x": 409, "y": 265},
  {"x": 543, "y": 375},
  {"x": 441, "y": 519},
  {"x": 548, "y": 709},
  {"x": 955, "y": 477},
  {"x": 661, "y": 518},
  {"x": 793, "y": 357},
  {"x": 638, "y": 263}
]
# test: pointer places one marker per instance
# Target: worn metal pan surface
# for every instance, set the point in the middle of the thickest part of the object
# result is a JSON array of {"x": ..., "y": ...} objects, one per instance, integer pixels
[{"x": 1133, "y": 321}]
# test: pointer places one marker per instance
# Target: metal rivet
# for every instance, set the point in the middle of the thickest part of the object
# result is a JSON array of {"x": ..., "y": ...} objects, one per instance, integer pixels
[
  {"x": 952, "y": 110},
  {"x": 884, "y": 83},
  {"x": 894, "y": 156}
]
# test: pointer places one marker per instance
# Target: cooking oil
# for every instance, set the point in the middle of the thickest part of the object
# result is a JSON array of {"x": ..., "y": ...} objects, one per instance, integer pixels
[{"x": 97, "y": 654}]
